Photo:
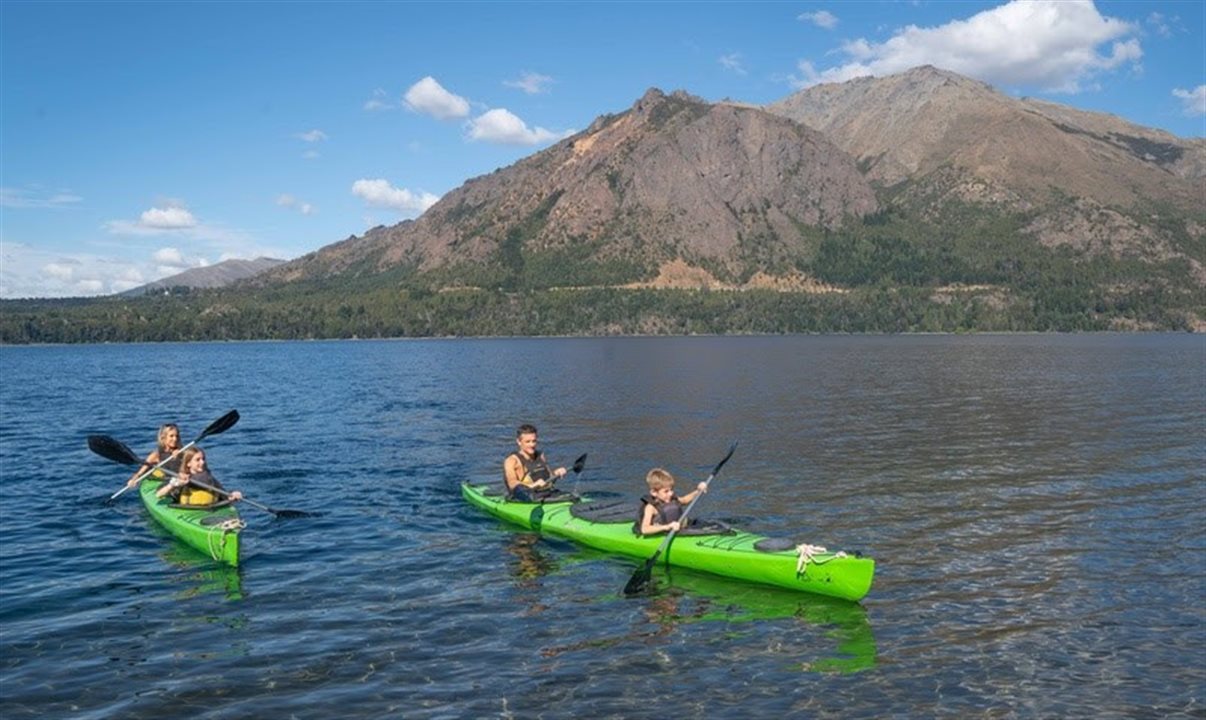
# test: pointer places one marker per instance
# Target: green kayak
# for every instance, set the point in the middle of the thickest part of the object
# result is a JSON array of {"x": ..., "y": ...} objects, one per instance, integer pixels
[
  {"x": 717, "y": 549},
  {"x": 214, "y": 532}
]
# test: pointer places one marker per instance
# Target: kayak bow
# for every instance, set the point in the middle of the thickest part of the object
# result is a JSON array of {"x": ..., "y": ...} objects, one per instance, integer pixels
[{"x": 214, "y": 532}]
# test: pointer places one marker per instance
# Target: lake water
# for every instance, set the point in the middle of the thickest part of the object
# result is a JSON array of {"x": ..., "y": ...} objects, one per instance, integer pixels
[{"x": 1034, "y": 504}]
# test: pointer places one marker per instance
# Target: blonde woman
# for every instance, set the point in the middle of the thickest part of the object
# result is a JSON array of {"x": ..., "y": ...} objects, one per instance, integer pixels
[{"x": 168, "y": 446}]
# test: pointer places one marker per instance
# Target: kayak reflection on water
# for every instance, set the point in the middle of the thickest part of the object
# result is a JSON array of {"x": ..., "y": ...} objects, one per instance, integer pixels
[
  {"x": 197, "y": 574},
  {"x": 683, "y": 597}
]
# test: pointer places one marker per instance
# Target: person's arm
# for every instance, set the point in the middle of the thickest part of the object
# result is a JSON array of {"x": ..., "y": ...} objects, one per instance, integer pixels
[
  {"x": 512, "y": 472},
  {"x": 701, "y": 488},
  {"x": 648, "y": 527},
  {"x": 151, "y": 461},
  {"x": 172, "y": 486}
]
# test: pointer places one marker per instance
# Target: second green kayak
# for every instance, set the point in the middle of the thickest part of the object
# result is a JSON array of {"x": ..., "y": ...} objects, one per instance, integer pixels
[
  {"x": 214, "y": 532},
  {"x": 726, "y": 551}
]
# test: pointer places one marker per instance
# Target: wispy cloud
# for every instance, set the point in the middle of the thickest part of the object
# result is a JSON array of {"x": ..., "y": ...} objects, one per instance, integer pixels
[
  {"x": 311, "y": 136},
  {"x": 380, "y": 193},
  {"x": 502, "y": 126},
  {"x": 733, "y": 63},
  {"x": 1159, "y": 24},
  {"x": 286, "y": 200},
  {"x": 379, "y": 101},
  {"x": 37, "y": 197},
  {"x": 820, "y": 18},
  {"x": 428, "y": 97},
  {"x": 1193, "y": 102},
  {"x": 1063, "y": 48},
  {"x": 531, "y": 83}
]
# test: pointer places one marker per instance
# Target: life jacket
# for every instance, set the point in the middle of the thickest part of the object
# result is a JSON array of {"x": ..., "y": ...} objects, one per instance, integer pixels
[
  {"x": 193, "y": 495},
  {"x": 666, "y": 513},
  {"x": 533, "y": 470}
]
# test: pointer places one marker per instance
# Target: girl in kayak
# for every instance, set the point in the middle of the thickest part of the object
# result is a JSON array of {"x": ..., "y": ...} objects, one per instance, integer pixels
[
  {"x": 187, "y": 488},
  {"x": 661, "y": 508},
  {"x": 167, "y": 446},
  {"x": 526, "y": 471}
]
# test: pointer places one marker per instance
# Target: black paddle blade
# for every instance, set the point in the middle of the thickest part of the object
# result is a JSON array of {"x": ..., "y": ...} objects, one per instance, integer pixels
[
  {"x": 220, "y": 425},
  {"x": 579, "y": 464},
  {"x": 716, "y": 470},
  {"x": 640, "y": 579},
  {"x": 112, "y": 449}
]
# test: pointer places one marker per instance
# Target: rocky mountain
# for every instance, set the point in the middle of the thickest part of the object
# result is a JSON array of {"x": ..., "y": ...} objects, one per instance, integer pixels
[
  {"x": 1089, "y": 180},
  {"x": 923, "y": 201},
  {"x": 671, "y": 179},
  {"x": 210, "y": 276}
]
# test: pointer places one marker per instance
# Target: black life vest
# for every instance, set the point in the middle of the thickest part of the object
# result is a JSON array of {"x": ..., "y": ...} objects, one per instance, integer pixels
[
  {"x": 669, "y": 512},
  {"x": 533, "y": 470}
]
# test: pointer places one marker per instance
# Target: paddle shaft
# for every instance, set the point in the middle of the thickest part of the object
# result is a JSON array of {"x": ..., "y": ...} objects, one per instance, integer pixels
[{"x": 253, "y": 503}]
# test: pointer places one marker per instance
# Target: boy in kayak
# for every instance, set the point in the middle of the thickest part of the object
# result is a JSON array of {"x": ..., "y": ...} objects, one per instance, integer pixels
[
  {"x": 526, "y": 471},
  {"x": 186, "y": 488},
  {"x": 661, "y": 508}
]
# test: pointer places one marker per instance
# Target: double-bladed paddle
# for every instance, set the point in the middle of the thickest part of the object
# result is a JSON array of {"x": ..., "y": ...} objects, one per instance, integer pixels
[
  {"x": 220, "y": 425},
  {"x": 117, "y": 451},
  {"x": 640, "y": 578},
  {"x": 253, "y": 503}
]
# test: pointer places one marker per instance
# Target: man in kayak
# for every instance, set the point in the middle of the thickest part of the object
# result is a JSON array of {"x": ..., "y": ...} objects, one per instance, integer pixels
[
  {"x": 526, "y": 471},
  {"x": 661, "y": 508}
]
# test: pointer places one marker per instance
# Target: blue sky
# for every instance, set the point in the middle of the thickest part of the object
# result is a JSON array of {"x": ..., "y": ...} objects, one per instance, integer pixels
[{"x": 138, "y": 140}]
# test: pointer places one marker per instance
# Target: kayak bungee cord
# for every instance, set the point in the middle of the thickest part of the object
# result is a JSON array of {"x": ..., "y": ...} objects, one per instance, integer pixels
[
  {"x": 807, "y": 553},
  {"x": 217, "y": 542}
]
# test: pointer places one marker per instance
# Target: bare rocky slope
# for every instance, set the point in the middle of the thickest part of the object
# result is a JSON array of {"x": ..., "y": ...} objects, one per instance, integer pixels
[
  {"x": 1091, "y": 181},
  {"x": 671, "y": 178}
]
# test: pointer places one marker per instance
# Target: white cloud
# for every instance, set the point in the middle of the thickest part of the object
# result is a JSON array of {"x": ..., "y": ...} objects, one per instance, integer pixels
[
  {"x": 379, "y": 101},
  {"x": 37, "y": 197},
  {"x": 379, "y": 193},
  {"x": 311, "y": 136},
  {"x": 820, "y": 18},
  {"x": 733, "y": 63},
  {"x": 130, "y": 261},
  {"x": 1049, "y": 44},
  {"x": 429, "y": 98},
  {"x": 168, "y": 256},
  {"x": 30, "y": 272},
  {"x": 530, "y": 82},
  {"x": 169, "y": 218},
  {"x": 1193, "y": 102},
  {"x": 504, "y": 127}
]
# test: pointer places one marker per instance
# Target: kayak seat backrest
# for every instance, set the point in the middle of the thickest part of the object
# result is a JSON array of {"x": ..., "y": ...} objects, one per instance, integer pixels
[{"x": 703, "y": 526}]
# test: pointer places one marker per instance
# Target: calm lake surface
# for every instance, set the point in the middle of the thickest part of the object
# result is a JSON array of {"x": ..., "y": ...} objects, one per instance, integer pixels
[{"x": 1035, "y": 505}]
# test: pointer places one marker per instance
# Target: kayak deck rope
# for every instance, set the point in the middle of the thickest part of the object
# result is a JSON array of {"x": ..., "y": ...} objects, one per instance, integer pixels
[
  {"x": 807, "y": 553},
  {"x": 217, "y": 536}
]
